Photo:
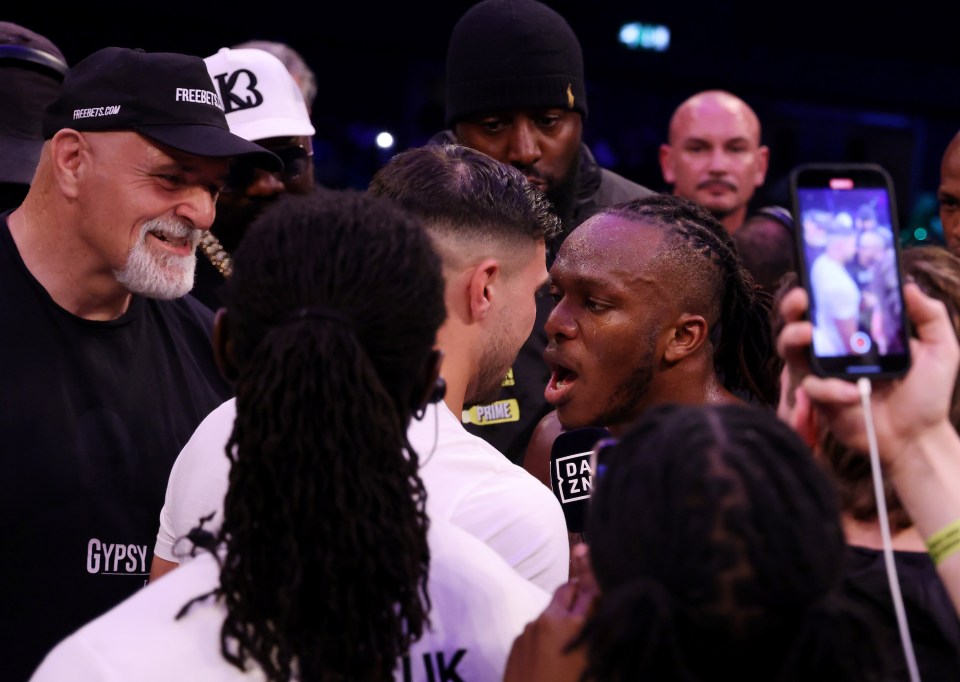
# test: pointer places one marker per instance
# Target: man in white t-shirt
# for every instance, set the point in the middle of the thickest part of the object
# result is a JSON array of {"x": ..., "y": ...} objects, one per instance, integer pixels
[
  {"x": 467, "y": 581},
  {"x": 489, "y": 226},
  {"x": 836, "y": 293}
]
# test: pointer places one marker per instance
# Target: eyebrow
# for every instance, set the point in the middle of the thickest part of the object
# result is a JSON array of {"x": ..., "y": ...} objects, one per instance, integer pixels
[{"x": 589, "y": 280}]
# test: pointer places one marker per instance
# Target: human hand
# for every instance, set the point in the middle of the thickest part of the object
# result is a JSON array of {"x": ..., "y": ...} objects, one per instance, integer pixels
[
  {"x": 903, "y": 409},
  {"x": 539, "y": 654}
]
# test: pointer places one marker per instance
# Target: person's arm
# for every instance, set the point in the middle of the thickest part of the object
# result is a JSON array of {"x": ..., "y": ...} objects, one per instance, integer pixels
[
  {"x": 160, "y": 567},
  {"x": 917, "y": 443},
  {"x": 540, "y": 653}
]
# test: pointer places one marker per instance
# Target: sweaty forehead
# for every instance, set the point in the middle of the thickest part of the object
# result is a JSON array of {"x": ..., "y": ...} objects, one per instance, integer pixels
[{"x": 608, "y": 248}]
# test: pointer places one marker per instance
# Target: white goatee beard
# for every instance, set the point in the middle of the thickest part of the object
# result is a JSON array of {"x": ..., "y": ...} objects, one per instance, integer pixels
[{"x": 157, "y": 274}]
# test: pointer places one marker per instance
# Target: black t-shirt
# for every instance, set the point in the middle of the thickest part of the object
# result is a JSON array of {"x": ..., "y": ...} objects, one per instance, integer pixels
[
  {"x": 92, "y": 417},
  {"x": 933, "y": 623}
]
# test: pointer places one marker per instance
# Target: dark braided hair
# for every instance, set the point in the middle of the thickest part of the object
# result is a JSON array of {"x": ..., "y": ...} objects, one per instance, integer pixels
[
  {"x": 716, "y": 542},
  {"x": 737, "y": 310},
  {"x": 332, "y": 313}
]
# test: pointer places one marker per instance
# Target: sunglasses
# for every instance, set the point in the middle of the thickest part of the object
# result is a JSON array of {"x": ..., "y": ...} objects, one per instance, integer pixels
[{"x": 296, "y": 162}]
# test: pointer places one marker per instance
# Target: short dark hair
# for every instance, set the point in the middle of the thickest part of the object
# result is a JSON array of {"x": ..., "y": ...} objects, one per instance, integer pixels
[
  {"x": 331, "y": 364},
  {"x": 766, "y": 248},
  {"x": 716, "y": 542},
  {"x": 709, "y": 274},
  {"x": 459, "y": 191}
]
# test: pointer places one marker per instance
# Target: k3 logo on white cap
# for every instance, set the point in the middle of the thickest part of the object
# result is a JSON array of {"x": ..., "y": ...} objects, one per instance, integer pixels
[{"x": 238, "y": 90}]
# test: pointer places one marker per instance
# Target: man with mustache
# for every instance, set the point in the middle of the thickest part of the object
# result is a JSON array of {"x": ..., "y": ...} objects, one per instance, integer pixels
[
  {"x": 516, "y": 91},
  {"x": 108, "y": 365},
  {"x": 714, "y": 155}
]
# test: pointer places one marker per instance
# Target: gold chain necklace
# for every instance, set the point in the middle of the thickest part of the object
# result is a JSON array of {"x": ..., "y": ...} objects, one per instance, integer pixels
[{"x": 216, "y": 254}]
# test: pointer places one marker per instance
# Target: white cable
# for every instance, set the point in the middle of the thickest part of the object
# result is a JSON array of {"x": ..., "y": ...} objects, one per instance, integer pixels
[{"x": 863, "y": 384}]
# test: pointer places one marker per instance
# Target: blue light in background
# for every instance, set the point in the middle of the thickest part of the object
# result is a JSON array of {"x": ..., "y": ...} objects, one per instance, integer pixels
[{"x": 653, "y": 37}]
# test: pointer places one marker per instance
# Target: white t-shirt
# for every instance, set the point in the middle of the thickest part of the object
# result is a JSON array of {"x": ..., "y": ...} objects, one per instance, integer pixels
[
  {"x": 468, "y": 482},
  {"x": 837, "y": 298},
  {"x": 478, "y": 606}
]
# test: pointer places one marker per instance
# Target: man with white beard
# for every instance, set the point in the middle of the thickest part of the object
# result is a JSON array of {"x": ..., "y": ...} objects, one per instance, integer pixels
[{"x": 108, "y": 366}]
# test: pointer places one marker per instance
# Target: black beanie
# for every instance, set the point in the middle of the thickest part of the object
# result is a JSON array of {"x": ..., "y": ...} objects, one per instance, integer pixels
[{"x": 511, "y": 54}]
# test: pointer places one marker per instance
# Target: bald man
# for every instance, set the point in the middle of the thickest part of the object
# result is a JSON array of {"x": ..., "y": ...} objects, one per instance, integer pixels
[
  {"x": 948, "y": 195},
  {"x": 714, "y": 155}
]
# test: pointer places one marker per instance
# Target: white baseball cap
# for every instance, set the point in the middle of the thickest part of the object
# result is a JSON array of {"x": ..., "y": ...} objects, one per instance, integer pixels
[{"x": 260, "y": 97}]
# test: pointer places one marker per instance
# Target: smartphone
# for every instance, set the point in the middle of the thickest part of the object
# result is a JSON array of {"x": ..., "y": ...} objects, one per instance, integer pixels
[{"x": 848, "y": 260}]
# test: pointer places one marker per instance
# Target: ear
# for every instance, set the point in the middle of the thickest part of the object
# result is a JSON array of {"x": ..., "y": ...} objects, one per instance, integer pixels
[
  {"x": 68, "y": 149},
  {"x": 689, "y": 334},
  {"x": 763, "y": 163},
  {"x": 223, "y": 347},
  {"x": 480, "y": 288},
  {"x": 666, "y": 164}
]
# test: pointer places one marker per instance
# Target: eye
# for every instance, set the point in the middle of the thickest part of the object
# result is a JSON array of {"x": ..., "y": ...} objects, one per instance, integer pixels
[
  {"x": 548, "y": 121},
  {"x": 594, "y": 306},
  {"x": 492, "y": 125},
  {"x": 171, "y": 181},
  {"x": 555, "y": 294},
  {"x": 948, "y": 202}
]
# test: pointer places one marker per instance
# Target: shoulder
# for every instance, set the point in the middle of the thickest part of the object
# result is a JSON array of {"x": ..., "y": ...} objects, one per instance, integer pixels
[
  {"x": 615, "y": 188},
  {"x": 122, "y": 643},
  {"x": 468, "y": 577}
]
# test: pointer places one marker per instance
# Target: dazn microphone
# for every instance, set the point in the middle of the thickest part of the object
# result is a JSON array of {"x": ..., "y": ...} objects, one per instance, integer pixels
[{"x": 570, "y": 475}]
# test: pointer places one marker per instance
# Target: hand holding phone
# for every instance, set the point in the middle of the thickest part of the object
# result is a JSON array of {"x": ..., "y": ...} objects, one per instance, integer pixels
[{"x": 849, "y": 262}]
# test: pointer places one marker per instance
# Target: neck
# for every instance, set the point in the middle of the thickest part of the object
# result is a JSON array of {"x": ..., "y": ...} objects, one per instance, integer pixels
[
  {"x": 733, "y": 221},
  {"x": 692, "y": 386},
  {"x": 455, "y": 368},
  {"x": 867, "y": 534},
  {"x": 62, "y": 263}
]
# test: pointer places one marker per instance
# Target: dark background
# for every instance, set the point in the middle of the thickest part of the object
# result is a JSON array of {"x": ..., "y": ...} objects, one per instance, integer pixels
[{"x": 830, "y": 81}]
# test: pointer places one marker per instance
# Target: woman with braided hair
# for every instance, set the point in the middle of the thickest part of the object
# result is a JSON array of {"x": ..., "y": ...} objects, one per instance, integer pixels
[
  {"x": 717, "y": 552},
  {"x": 323, "y": 567}
]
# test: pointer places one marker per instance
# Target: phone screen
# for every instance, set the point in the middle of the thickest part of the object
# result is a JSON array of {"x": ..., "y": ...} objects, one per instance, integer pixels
[{"x": 847, "y": 240}]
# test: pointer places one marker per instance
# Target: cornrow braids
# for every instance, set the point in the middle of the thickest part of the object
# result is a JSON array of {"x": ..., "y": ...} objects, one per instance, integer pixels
[
  {"x": 716, "y": 542},
  {"x": 325, "y": 558},
  {"x": 739, "y": 311}
]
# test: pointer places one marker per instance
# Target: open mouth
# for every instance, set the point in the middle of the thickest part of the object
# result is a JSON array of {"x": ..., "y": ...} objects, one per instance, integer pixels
[
  {"x": 561, "y": 383},
  {"x": 179, "y": 245}
]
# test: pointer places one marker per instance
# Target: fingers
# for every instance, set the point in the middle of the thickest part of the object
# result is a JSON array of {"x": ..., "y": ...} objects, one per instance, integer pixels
[
  {"x": 794, "y": 305},
  {"x": 563, "y": 598},
  {"x": 931, "y": 320}
]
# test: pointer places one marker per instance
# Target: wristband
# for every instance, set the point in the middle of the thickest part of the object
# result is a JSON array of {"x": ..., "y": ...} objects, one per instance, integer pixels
[{"x": 945, "y": 542}]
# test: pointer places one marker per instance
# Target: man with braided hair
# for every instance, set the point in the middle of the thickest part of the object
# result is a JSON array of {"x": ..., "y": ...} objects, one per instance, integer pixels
[{"x": 652, "y": 306}]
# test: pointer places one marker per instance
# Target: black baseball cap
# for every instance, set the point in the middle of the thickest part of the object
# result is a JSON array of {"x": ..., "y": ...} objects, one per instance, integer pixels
[
  {"x": 164, "y": 96},
  {"x": 31, "y": 71}
]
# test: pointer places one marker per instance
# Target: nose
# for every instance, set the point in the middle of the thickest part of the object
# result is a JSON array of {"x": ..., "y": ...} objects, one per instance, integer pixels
[
  {"x": 719, "y": 160},
  {"x": 265, "y": 184},
  {"x": 198, "y": 207},
  {"x": 524, "y": 149},
  {"x": 560, "y": 323}
]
